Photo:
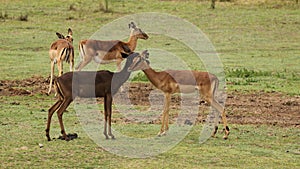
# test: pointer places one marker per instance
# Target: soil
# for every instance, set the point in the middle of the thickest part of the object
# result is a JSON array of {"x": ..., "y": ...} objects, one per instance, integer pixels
[{"x": 259, "y": 107}]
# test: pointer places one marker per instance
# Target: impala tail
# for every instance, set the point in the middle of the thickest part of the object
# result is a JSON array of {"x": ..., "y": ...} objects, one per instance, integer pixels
[
  {"x": 81, "y": 53},
  {"x": 65, "y": 54}
]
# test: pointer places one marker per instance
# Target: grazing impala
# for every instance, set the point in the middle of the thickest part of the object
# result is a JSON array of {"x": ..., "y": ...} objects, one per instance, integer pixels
[
  {"x": 171, "y": 81},
  {"x": 61, "y": 50},
  {"x": 109, "y": 51}
]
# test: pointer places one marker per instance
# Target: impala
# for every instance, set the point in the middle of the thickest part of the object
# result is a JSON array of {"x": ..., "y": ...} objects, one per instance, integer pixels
[
  {"x": 171, "y": 81},
  {"x": 99, "y": 84},
  {"x": 61, "y": 50},
  {"x": 108, "y": 51}
]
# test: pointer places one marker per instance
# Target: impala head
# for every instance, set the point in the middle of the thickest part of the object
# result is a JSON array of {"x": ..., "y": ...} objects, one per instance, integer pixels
[
  {"x": 140, "y": 62},
  {"x": 137, "y": 31},
  {"x": 68, "y": 37}
]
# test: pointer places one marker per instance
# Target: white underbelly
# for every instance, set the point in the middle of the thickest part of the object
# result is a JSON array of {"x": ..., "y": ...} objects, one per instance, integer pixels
[
  {"x": 102, "y": 61},
  {"x": 187, "y": 88}
]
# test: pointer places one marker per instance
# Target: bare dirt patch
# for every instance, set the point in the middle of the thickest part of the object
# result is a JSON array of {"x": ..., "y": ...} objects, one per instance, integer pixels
[{"x": 258, "y": 107}]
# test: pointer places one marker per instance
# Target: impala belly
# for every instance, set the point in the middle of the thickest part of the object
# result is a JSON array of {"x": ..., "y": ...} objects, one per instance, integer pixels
[
  {"x": 187, "y": 88},
  {"x": 102, "y": 57}
]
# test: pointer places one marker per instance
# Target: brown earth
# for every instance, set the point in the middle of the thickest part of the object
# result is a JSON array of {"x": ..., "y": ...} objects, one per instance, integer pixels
[{"x": 271, "y": 108}]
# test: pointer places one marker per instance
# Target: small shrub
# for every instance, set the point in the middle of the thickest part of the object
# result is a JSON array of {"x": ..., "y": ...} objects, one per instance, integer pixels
[
  {"x": 3, "y": 16},
  {"x": 103, "y": 7},
  {"x": 70, "y": 18},
  {"x": 23, "y": 17},
  {"x": 72, "y": 7}
]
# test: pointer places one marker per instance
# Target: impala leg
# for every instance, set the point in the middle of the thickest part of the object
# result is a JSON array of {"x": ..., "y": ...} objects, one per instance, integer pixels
[
  {"x": 60, "y": 68},
  {"x": 83, "y": 63},
  {"x": 165, "y": 116},
  {"x": 62, "y": 108},
  {"x": 209, "y": 101},
  {"x": 220, "y": 109},
  {"x": 119, "y": 68},
  {"x": 78, "y": 66},
  {"x": 50, "y": 114},
  {"x": 71, "y": 65},
  {"x": 51, "y": 77},
  {"x": 161, "y": 132},
  {"x": 109, "y": 112},
  {"x": 216, "y": 122},
  {"x": 105, "y": 118},
  {"x": 72, "y": 60},
  {"x": 224, "y": 119},
  {"x": 167, "y": 109}
]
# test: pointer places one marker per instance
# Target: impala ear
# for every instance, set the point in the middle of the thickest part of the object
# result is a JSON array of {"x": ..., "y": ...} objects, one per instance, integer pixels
[
  {"x": 60, "y": 36},
  {"x": 70, "y": 31},
  {"x": 145, "y": 54},
  {"x": 132, "y": 25}
]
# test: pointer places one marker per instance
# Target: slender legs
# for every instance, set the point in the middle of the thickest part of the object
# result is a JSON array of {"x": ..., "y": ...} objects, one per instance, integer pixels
[
  {"x": 60, "y": 71},
  {"x": 83, "y": 63},
  {"x": 165, "y": 115},
  {"x": 60, "y": 112},
  {"x": 51, "y": 77},
  {"x": 60, "y": 68},
  {"x": 220, "y": 109},
  {"x": 209, "y": 95},
  {"x": 50, "y": 113},
  {"x": 107, "y": 116},
  {"x": 61, "y": 105},
  {"x": 71, "y": 65}
]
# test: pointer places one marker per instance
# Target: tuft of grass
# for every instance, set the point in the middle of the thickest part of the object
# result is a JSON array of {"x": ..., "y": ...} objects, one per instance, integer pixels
[
  {"x": 4, "y": 16},
  {"x": 140, "y": 77},
  {"x": 72, "y": 7},
  {"x": 246, "y": 73},
  {"x": 23, "y": 17}
]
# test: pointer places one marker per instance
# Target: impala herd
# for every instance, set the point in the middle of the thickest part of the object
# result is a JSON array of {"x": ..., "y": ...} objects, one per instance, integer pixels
[{"x": 103, "y": 83}]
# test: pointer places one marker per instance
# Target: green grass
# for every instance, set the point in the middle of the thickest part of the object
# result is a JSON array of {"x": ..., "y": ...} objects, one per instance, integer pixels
[
  {"x": 258, "y": 45},
  {"x": 259, "y": 37},
  {"x": 23, "y": 124}
]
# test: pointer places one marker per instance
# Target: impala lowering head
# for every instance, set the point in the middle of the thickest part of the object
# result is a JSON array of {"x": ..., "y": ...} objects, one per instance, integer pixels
[
  {"x": 69, "y": 37},
  {"x": 137, "y": 31},
  {"x": 140, "y": 62}
]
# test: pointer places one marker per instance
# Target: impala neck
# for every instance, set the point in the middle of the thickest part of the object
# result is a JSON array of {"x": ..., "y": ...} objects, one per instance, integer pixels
[
  {"x": 121, "y": 77},
  {"x": 152, "y": 75},
  {"x": 132, "y": 42}
]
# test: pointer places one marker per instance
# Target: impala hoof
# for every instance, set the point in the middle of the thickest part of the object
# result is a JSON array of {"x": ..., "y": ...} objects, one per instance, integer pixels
[
  {"x": 226, "y": 135},
  {"x": 161, "y": 134}
]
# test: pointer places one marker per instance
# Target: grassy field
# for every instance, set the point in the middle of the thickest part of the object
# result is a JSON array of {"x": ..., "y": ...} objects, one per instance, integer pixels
[
  {"x": 261, "y": 39},
  {"x": 23, "y": 124},
  {"x": 258, "y": 44}
]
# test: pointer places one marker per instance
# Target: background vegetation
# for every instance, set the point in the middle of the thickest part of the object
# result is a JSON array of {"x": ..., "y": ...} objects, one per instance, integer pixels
[{"x": 250, "y": 36}]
